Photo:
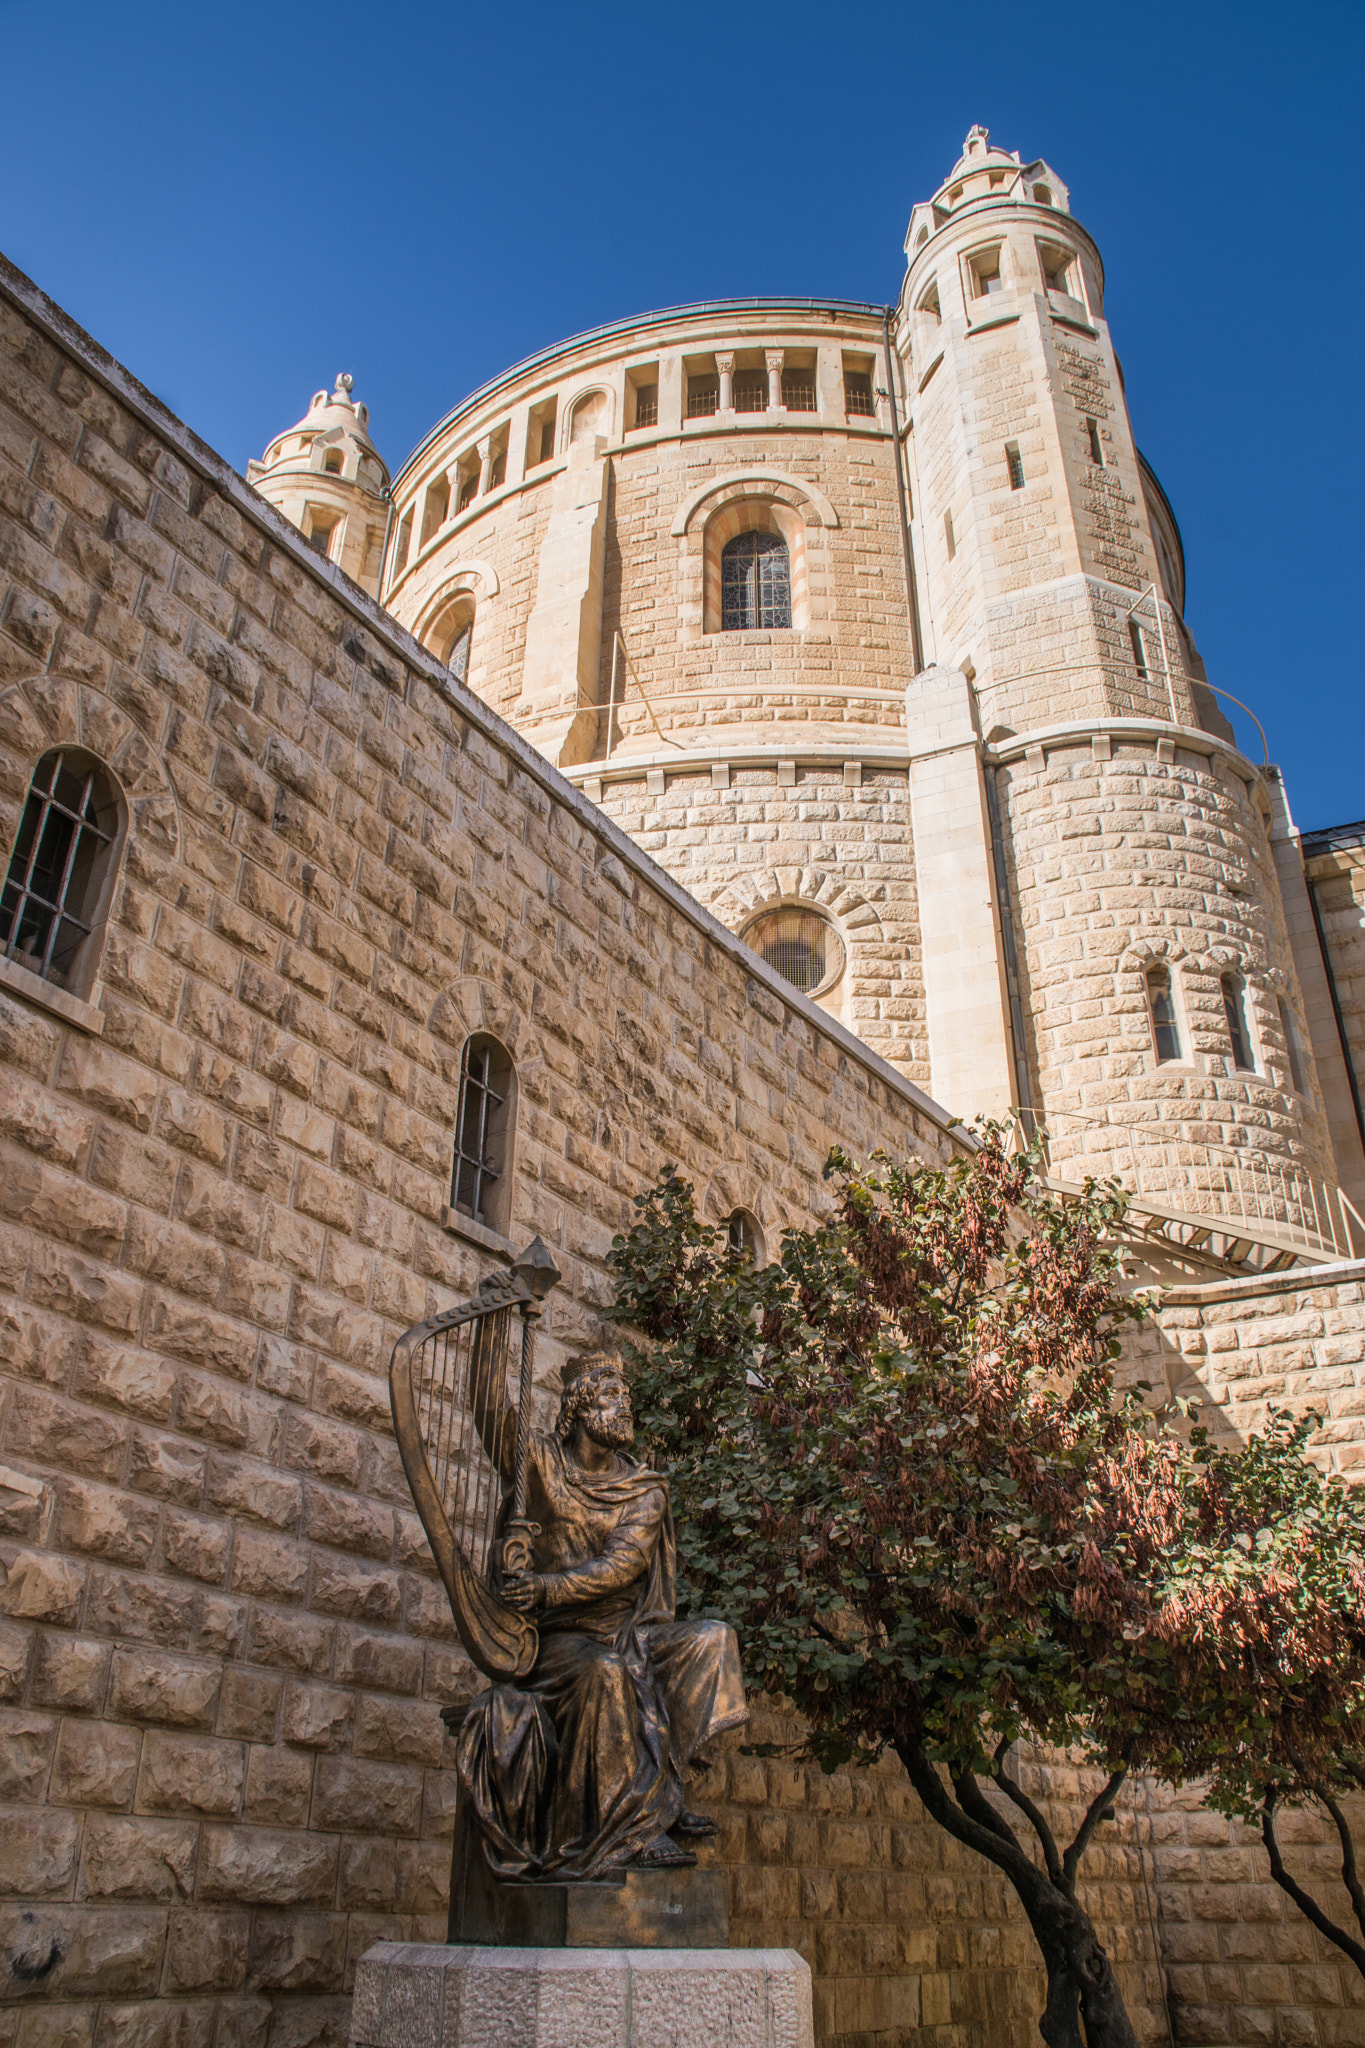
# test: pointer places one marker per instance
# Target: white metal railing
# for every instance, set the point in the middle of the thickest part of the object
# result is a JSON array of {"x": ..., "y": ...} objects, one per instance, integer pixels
[{"x": 1229, "y": 1185}]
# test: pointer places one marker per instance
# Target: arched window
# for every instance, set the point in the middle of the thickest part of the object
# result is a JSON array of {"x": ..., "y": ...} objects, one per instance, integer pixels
[
  {"x": 743, "y": 1237},
  {"x": 804, "y": 947},
  {"x": 755, "y": 583},
  {"x": 451, "y": 635},
  {"x": 61, "y": 870},
  {"x": 1165, "y": 1024},
  {"x": 331, "y": 462},
  {"x": 480, "y": 1179},
  {"x": 1239, "y": 1025}
]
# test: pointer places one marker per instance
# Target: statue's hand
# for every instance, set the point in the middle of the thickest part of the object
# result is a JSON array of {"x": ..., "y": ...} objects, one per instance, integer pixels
[{"x": 523, "y": 1592}]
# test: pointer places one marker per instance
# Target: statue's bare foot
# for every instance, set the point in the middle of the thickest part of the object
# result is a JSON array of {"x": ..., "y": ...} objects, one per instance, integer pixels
[
  {"x": 661, "y": 1854},
  {"x": 693, "y": 1826}
]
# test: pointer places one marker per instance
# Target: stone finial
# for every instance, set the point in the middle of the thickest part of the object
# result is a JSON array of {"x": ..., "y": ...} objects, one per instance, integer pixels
[{"x": 978, "y": 140}]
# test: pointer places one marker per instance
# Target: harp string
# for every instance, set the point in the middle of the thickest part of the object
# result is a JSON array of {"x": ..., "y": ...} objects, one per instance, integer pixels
[{"x": 459, "y": 1374}]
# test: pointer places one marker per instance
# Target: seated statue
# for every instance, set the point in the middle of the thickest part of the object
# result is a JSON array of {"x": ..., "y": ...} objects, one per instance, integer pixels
[{"x": 576, "y": 1773}]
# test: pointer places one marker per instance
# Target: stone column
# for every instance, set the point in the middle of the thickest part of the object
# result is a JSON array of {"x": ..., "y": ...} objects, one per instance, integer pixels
[
  {"x": 773, "y": 358},
  {"x": 484, "y": 450},
  {"x": 726, "y": 367},
  {"x": 966, "y": 1000}
]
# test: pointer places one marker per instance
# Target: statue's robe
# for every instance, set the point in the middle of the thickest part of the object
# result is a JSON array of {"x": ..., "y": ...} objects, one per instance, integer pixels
[{"x": 571, "y": 1774}]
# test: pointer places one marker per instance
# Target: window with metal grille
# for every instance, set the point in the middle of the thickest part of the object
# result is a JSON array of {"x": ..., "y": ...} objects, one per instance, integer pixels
[
  {"x": 798, "y": 390},
  {"x": 858, "y": 398},
  {"x": 60, "y": 862},
  {"x": 703, "y": 397},
  {"x": 1016, "y": 465},
  {"x": 458, "y": 659},
  {"x": 497, "y": 475},
  {"x": 1165, "y": 1024},
  {"x": 1238, "y": 1023},
  {"x": 750, "y": 391},
  {"x": 483, "y": 1131},
  {"x": 804, "y": 947},
  {"x": 755, "y": 583},
  {"x": 646, "y": 405},
  {"x": 469, "y": 490}
]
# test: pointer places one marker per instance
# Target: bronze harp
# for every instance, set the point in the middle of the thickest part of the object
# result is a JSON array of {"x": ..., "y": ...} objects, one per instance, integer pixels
[{"x": 442, "y": 1374}]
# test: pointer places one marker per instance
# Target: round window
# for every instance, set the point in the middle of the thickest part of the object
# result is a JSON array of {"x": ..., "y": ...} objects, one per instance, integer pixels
[{"x": 803, "y": 946}]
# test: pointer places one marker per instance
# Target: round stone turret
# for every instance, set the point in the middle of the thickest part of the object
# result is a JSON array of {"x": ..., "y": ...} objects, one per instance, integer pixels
[{"x": 326, "y": 476}]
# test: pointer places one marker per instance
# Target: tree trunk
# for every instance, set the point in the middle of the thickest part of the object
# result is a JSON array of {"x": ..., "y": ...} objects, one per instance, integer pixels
[{"x": 1080, "y": 1979}]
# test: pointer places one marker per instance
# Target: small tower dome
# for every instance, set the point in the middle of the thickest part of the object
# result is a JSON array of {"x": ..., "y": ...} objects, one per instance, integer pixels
[
  {"x": 326, "y": 476},
  {"x": 984, "y": 175}
]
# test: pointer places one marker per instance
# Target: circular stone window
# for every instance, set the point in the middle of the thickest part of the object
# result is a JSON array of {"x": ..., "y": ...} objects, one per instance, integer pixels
[{"x": 803, "y": 946}]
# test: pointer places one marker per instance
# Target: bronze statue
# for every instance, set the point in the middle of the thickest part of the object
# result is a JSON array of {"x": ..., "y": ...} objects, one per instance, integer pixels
[{"x": 559, "y": 1555}]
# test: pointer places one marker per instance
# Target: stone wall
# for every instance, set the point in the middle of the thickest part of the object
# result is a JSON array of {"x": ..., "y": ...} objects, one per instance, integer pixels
[{"x": 222, "y": 1172}]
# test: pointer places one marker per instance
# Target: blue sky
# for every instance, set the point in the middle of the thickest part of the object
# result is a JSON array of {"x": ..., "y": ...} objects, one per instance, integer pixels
[{"x": 241, "y": 202}]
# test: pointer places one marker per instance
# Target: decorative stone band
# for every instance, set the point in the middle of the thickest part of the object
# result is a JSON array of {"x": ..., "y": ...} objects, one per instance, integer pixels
[
  {"x": 419, "y": 1995},
  {"x": 782, "y": 762},
  {"x": 1100, "y": 735}
]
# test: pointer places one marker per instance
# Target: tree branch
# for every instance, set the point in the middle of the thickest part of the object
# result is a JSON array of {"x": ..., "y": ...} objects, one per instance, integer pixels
[
  {"x": 1033, "y": 1814},
  {"x": 990, "y": 1838},
  {"x": 1094, "y": 1813},
  {"x": 1349, "y": 1874},
  {"x": 1306, "y": 1904},
  {"x": 974, "y": 1802}
]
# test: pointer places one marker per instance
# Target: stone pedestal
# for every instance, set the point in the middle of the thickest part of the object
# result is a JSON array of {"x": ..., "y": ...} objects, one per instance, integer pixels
[{"x": 419, "y": 1995}]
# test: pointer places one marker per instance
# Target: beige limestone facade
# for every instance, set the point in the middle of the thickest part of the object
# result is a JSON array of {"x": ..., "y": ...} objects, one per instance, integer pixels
[{"x": 333, "y": 861}]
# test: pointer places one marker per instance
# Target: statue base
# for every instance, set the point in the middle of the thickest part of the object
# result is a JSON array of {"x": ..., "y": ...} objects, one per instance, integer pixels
[
  {"x": 641, "y": 1909},
  {"x": 419, "y": 1995}
]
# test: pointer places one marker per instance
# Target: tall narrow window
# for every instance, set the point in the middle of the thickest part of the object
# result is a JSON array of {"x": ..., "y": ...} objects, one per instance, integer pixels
[
  {"x": 331, "y": 462},
  {"x": 483, "y": 1131},
  {"x": 1161, "y": 1002},
  {"x": 1137, "y": 640},
  {"x": 743, "y": 1237},
  {"x": 497, "y": 470},
  {"x": 1293, "y": 1046},
  {"x": 1239, "y": 1027},
  {"x": 57, "y": 872},
  {"x": 1092, "y": 434},
  {"x": 458, "y": 659},
  {"x": 322, "y": 531},
  {"x": 646, "y": 405},
  {"x": 469, "y": 490},
  {"x": 859, "y": 401},
  {"x": 1015, "y": 462},
  {"x": 540, "y": 433},
  {"x": 436, "y": 509},
  {"x": 400, "y": 553},
  {"x": 755, "y": 583},
  {"x": 949, "y": 536}
]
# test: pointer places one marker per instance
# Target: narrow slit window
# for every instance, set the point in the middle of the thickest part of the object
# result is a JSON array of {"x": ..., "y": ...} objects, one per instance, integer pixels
[
  {"x": 1092, "y": 434},
  {"x": 1137, "y": 640},
  {"x": 743, "y": 1238},
  {"x": 497, "y": 475},
  {"x": 1015, "y": 463},
  {"x": 400, "y": 555},
  {"x": 58, "y": 869},
  {"x": 949, "y": 536},
  {"x": 1165, "y": 1025},
  {"x": 483, "y": 1130},
  {"x": 469, "y": 490},
  {"x": 1238, "y": 1023},
  {"x": 1293, "y": 1046}
]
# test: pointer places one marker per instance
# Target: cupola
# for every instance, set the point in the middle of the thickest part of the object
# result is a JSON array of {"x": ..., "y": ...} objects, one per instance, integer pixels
[
  {"x": 326, "y": 475},
  {"x": 984, "y": 175}
]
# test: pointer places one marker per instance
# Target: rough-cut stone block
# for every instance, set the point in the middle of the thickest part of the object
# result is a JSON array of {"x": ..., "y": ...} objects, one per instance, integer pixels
[{"x": 412, "y": 1995}]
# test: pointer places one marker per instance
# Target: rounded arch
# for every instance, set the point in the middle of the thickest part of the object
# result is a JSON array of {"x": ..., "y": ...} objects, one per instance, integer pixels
[
  {"x": 50, "y": 711},
  {"x": 762, "y": 484},
  {"x": 589, "y": 413},
  {"x": 730, "y": 1191},
  {"x": 474, "y": 1016},
  {"x": 754, "y": 515},
  {"x": 474, "y": 578},
  {"x": 747, "y": 895}
]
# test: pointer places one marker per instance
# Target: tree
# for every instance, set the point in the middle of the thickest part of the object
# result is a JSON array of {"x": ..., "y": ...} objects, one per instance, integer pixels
[
  {"x": 904, "y": 1472},
  {"x": 1272, "y": 1579}
]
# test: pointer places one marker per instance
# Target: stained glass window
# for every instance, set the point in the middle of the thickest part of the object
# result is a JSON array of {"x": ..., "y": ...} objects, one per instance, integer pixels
[{"x": 755, "y": 583}]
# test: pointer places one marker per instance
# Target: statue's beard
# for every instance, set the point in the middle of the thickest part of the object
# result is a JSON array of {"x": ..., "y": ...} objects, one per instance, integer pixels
[{"x": 615, "y": 1435}]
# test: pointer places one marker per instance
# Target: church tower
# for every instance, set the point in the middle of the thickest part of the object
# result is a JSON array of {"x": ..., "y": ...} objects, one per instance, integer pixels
[
  {"x": 326, "y": 476},
  {"x": 1110, "y": 891}
]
